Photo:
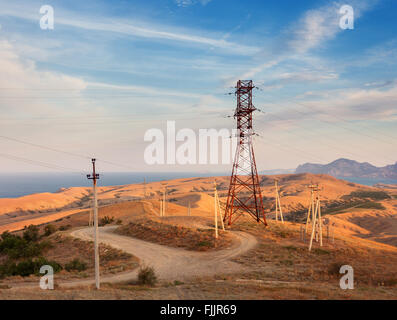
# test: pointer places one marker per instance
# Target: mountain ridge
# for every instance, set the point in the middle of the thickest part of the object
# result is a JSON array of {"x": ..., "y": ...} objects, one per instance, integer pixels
[{"x": 350, "y": 168}]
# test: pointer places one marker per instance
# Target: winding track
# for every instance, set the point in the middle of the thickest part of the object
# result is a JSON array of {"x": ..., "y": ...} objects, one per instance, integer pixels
[{"x": 170, "y": 263}]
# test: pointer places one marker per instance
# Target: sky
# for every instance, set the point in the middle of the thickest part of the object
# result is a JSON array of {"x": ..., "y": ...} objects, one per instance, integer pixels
[{"x": 111, "y": 70}]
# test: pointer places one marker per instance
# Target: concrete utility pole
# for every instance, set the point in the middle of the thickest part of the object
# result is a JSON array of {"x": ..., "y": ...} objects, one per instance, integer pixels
[
  {"x": 217, "y": 210},
  {"x": 278, "y": 203},
  {"x": 188, "y": 210},
  {"x": 91, "y": 222},
  {"x": 164, "y": 203},
  {"x": 94, "y": 177},
  {"x": 215, "y": 213},
  {"x": 310, "y": 212},
  {"x": 317, "y": 227},
  {"x": 219, "y": 207}
]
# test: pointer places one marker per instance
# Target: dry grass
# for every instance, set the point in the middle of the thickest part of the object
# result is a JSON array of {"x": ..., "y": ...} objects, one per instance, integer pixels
[
  {"x": 281, "y": 255},
  {"x": 156, "y": 231}
]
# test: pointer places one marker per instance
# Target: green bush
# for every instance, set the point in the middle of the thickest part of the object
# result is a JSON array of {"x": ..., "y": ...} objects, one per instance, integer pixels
[
  {"x": 76, "y": 265},
  {"x": 147, "y": 276},
  {"x": 374, "y": 195},
  {"x": 27, "y": 267},
  {"x": 106, "y": 220},
  {"x": 16, "y": 247},
  {"x": 31, "y": 233}
]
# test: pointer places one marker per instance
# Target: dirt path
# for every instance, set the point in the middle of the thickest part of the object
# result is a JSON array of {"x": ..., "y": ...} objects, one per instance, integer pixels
[{"x": 171, "y": 263}]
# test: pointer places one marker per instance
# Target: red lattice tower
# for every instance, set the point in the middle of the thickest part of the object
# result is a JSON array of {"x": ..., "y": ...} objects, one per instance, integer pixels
[{"x": 244, "y": 191}]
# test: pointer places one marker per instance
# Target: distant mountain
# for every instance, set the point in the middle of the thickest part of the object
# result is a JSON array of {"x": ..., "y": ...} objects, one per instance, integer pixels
[{"x": 350, "y": 168}]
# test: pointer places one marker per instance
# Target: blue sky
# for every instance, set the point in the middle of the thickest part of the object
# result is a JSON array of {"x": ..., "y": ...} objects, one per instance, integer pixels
[{"x": 110, "y": 70}]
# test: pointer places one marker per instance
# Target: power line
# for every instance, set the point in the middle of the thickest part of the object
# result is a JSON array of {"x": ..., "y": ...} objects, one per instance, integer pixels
[
  {"x": 64, "y": 152},
  {"x": 39, "y": 163},
  {"x": 44, "y": 147},
  {"x": 310, "y": 130},
  {"x": 338, "y": 118}
]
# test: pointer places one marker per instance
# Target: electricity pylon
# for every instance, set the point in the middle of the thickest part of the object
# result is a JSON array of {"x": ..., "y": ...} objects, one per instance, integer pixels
[
  {"x": 278, "y": 203},
  {"x": 94, "y": 177},
  {"x": 244, "y": 194}
]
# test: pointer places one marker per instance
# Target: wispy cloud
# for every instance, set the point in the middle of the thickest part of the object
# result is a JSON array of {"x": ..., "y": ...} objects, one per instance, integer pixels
[
  {"x": 138, "y": 29},
  {"x": 312, "y": 30},
  {"x": 188, "y": 3}
]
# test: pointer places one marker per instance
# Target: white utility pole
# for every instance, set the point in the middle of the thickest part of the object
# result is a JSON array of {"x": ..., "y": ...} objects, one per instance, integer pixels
[
  {"x": 219, "y": 207},
  {"x": 310, "y": 212},
  {"x": 94, "y": 177},
  {"x": 215, "y": 212},
  {"x": 165, "y": 190},
  {"x": 278, "y": 202},
  {"x": 317, "y": 223},
  {"x": 91, "y": 222}
]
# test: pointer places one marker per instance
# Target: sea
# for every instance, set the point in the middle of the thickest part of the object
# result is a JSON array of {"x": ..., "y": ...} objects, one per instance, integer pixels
[
  {"x": 368, "y": 181},
  {"x": 13, "y": 185}
]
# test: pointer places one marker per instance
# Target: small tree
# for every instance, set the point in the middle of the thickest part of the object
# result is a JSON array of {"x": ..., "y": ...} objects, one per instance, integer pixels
[
  {"x": 106, "y": 220},
  {"x": 31, "y": 233},
  {"x": 147, "y": 276}
]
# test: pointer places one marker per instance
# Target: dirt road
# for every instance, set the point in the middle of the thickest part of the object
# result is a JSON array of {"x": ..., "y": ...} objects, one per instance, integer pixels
[{"x": 171, "y": 263}]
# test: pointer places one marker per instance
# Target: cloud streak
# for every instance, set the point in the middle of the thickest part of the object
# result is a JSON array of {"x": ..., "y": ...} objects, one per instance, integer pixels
[{"x": 139, "y": 29}]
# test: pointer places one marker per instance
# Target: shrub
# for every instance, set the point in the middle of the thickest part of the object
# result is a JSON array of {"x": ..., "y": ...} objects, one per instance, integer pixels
[
  {"x": 374, "y": 195},
  {"x": 27, "y": 267},
  {"x": 204, "y": 243},
  {"x": 16, "y": 247},
  {"x": 106, "y": 220},
  {"x": 31, "y": 233},
  {"x": 76, "y": 264},
  {"x": 372, "y": 205},
  {"x": 49, "y": 229},
  {"x": 147, "y": 276}
]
